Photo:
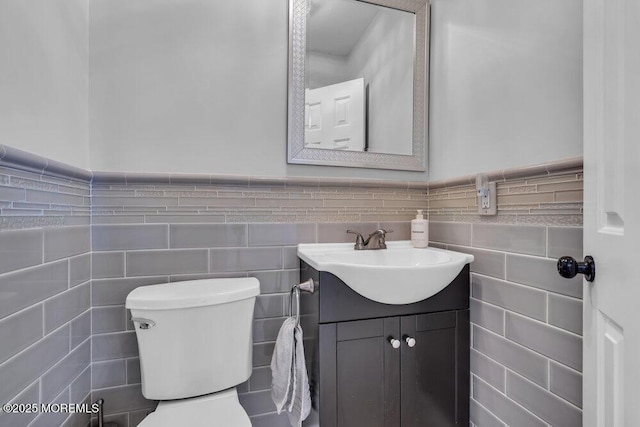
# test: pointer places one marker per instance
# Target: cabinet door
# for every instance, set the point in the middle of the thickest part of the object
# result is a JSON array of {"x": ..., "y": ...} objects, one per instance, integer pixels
[
  {"x": 360, "y": 379},
  {"x": 435, "y": 371}
]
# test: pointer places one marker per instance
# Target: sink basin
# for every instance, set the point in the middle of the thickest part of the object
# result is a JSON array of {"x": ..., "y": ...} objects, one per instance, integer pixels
[{"x": 400, "y": 274}]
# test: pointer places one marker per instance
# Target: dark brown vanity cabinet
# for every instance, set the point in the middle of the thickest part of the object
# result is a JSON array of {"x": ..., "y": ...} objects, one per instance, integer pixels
[{"x": 359, "y": 378}]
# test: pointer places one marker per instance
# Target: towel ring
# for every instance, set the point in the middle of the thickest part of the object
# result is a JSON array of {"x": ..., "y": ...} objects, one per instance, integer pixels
[{"x": 308, "y": 286}]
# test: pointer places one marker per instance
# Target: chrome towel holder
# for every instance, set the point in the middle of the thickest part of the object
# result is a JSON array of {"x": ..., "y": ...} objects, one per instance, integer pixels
[{"x": 308, "y": 286}]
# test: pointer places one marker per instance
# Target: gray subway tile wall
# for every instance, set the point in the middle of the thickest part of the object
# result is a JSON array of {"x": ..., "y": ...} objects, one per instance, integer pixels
[
  {"x": 541, "y": 273},
  {"x": 566, "y": 383},
  {"x": 191, "y": 243},
  {"x": 502, "y": 407},
  {"x": 510, "y": 238},
  {"x": 64, "y": 372},
  {"x": 19, "y": 331},
  {"x": 66, "y": 306},
  {"x": 489, "y": 370},
  {"x": 20, "y": 249},
  {"x": 24, "y": 288},
  {"x": 107, "y": 264},
  {"x": 79, "y": 269},
  {"x": 80, "y": 329},
  {"x": 482, "y": 416},
  {"x": 565, "y": 313},
  {"x": 139, "y": 234},
  {"x": 486, "y": 315},
  {"x": 511, "y": 355},
  {"x": 510, "y": 296},
  {"x": 549, "y": 407},
  {"x": 526, "y": 356},
  {"x": 45, "y": 307},
  {"x": 53, "y": 419},
  {"x": 81, "y": 386},
  {"x": 30, "y": 395},
  {"x": 554, "y": 343},
  {"x": 129, "y": 237},
  {"x": 65, "y": 242},
  {"x": 109, "y": 374}
]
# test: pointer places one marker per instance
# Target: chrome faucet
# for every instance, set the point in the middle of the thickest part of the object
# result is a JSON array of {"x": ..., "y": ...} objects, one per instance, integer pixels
[{"x": 376, "y": 240}]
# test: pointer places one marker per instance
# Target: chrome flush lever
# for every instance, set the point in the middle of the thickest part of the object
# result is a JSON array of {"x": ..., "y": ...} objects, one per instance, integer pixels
[{"x": 143, "y": 323}]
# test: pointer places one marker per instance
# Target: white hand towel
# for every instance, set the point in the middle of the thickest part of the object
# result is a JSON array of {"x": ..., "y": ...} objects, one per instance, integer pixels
[
  {"x": 290, "y": 383},
  {"x": 282, "y": 375},
  {"x": 300, "y": 404}
]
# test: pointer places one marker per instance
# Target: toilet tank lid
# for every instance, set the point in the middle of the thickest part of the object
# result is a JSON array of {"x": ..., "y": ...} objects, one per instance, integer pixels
[{"x": 192, "y": 293}]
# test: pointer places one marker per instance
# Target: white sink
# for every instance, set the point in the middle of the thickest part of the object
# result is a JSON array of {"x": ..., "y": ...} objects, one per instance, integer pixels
[{"x": 400, "y": 274}]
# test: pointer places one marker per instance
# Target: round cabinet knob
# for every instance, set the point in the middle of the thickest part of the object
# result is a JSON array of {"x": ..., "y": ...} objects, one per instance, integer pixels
[
  {"x": 411, "y": 342},
  {"x": 394, "y": 342},
  {"x": 569, "y": 267}
]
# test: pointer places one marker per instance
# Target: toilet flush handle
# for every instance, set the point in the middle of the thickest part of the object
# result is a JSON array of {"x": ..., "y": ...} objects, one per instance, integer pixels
[{"x": 143, "y": 323}]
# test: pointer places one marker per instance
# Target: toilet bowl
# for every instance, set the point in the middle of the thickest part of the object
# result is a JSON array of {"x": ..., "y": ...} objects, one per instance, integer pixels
[
  {"x": 221, "y": 409},
  {"x": 195, "y": 344}
]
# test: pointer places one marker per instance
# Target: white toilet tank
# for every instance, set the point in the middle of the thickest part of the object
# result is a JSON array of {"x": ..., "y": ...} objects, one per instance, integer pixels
[{"x": 194, "y": 337}]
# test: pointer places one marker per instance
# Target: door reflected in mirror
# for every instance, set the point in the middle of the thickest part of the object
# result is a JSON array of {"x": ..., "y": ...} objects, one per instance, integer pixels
[{"x": 359, "y": 83}]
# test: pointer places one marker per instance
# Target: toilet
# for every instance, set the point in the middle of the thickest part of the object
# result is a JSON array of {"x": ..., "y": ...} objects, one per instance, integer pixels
[{"x": 195, "y": 343}]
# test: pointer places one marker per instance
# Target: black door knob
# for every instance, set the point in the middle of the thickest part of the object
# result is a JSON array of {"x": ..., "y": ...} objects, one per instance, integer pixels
[{"x": 568, "y": 267}]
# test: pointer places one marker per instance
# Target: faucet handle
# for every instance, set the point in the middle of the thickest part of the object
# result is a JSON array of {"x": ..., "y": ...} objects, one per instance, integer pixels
[
  {"x": 359, "y": 240},
  {"x": 381, "y": 231},
  {"x": 379, "y": 242}
]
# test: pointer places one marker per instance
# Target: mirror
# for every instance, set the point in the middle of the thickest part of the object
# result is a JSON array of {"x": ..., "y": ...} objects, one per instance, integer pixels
[{"x": 358, "y": 83}]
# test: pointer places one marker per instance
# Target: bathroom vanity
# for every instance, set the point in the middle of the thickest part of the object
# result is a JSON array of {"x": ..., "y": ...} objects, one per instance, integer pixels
[{"x": 382, "y": 365}]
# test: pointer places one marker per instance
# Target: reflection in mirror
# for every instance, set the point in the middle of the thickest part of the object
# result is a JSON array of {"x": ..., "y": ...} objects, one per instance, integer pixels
[
  {"x": 358, "y": 83},
  {"x": 359, "y": 77}
]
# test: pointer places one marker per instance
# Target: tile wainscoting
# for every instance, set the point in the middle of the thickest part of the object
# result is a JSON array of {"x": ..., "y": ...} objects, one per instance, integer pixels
[
  {"x": 148, "y": 233},
  {"x": 157, "y": 233},
  {"x": 45, "y": 295},
  {"x": 74, "y": 251},
  {"x": 526, "y": 355}
]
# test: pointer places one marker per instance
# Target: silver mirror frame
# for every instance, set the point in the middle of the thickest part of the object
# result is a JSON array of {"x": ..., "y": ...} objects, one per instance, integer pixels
[{"x": 299, "y": 154}]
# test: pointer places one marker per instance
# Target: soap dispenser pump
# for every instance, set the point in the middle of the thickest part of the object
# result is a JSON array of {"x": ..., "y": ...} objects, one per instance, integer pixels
[{"x": 420, "y": 231}]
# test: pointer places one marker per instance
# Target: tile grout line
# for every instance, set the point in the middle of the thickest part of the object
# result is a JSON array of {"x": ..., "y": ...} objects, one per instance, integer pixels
[
  {"x": 562, "y": 400},
  {"x": 517, "y": 345},
  {"x": 486, "y": 409},
  {"x": 506, "y": 396}
]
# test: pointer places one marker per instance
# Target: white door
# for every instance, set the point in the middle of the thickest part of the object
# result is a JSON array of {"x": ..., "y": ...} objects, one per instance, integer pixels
[
  {"x": 611, "y": 386},
  {"x": 335, "y": 116}
]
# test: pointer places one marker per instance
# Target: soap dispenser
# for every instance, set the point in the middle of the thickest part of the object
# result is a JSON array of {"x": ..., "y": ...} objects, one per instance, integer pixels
[{"x": 420, "y": 231}]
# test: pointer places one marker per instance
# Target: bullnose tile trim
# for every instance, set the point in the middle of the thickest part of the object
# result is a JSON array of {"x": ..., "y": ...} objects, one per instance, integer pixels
[
  {"x": 562, "y": 165},
  {"x": 23, "y": 160}
]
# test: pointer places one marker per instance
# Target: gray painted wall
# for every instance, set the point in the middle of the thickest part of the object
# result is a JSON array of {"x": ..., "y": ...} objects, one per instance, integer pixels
[
  {"x": 506, "y": 84},
  {"x": 210, "y": 77},
  {"x": 384, "y": 57},
  {"x": 44, "y": 78}
]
